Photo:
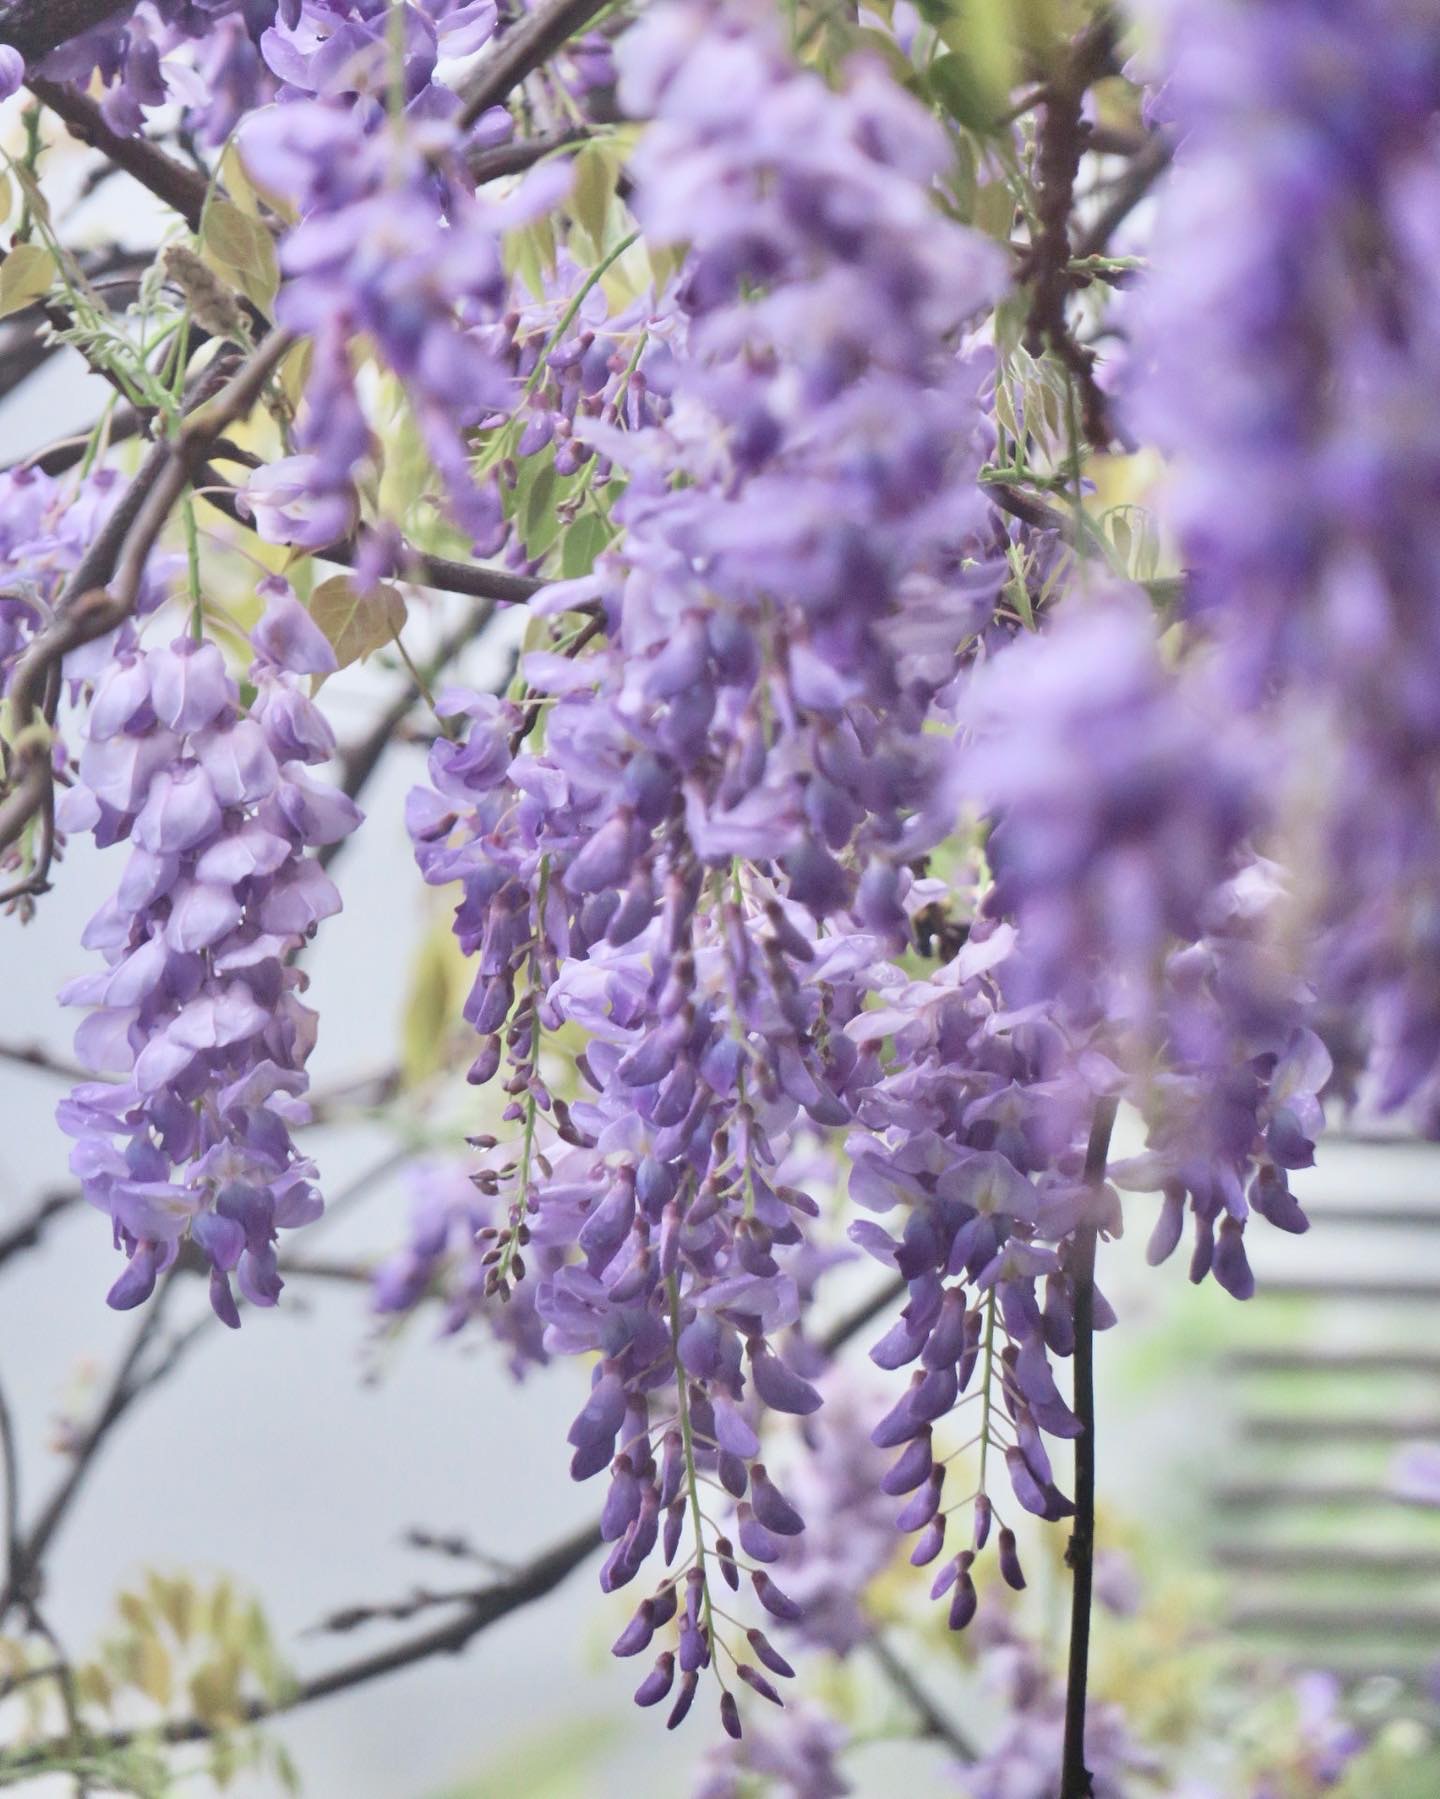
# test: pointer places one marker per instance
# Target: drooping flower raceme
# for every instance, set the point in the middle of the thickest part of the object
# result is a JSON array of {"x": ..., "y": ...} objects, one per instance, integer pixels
[
  {"x": 746, "y": 754},
  {"x": 1298, "y": 265},
  {"x": 197, "y": 1016}
]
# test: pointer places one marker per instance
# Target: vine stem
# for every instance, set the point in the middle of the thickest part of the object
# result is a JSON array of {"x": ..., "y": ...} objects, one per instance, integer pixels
[
  {"x": 687, "y": 1442},
  {"x": 1075, "y": 1782}
]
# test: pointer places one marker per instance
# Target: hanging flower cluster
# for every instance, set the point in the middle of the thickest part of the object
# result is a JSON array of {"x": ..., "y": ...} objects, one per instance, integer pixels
[{"x": 197, "y": 1013}]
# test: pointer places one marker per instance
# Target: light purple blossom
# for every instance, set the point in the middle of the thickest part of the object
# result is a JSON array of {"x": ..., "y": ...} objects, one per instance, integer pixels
[{"x": 196, "y": 1018}]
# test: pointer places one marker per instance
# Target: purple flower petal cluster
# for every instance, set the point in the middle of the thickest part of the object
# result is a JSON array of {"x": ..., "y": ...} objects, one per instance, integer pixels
[
  {"x": 850, "y": 1537},
  {"x": 974, "y": 1138},
  {"x": 220, "y": 59},
  {"x": 1234, "y": 1105},
  {"x": 746, "y": 754},
  {"x": 796, "y": 1759},
  {"x": 46, "y": 526},
  {"x": 1019, "y": 1762},
  {"x": 196, "y": 1017},
  {"x": 393, "y": 249}
]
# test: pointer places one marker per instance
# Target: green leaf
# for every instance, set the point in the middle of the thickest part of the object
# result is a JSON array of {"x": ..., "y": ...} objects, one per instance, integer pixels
[
  {"x": 356, "y": 624},
  {"x": 240, "y": 248},
  {"x": 26, "y": 274},
  {"x": 438, "y": 982},
  {"x": 133, "y": 1609},
  {"x": 215, "y": 1691},
  {"x": 539, "y": 503},
  {"x": 591, "y": 192},
  {"x": 152, "y": 1670},
  {"x": 584, "y": 541},
  {"x": 176, "y": 1602}
]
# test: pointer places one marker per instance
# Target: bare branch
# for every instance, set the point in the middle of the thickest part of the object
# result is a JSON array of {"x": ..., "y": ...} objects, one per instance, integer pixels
[
  {"x": 28, "y": 1232},
  {"x": 36, "y": 27},
  {"x": 521, "y": 51},
  {"x": 933, "y": 1719},
  {"x": 478, "y": 1611},
  {"x": 1075, "y": 1782},
  {"x": 125, "y": 1385},
  {"x": 1147, "y": 166},
  {"x": 179, "y": 187},
  {"x": 440, "y": 572},
  {"x": 32, "y": 1055},
  {"x": 513, "y": 159}
]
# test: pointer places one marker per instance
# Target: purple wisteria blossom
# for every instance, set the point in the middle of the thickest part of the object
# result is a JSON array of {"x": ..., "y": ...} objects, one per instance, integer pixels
[
  {"x": 196, "y": 1017},
  {"x": 744, "y": 756},
  {"x": 972, "y": 1150},
  {"x": 46, "y": 525},
  {"x": 1297, "y": 265}
]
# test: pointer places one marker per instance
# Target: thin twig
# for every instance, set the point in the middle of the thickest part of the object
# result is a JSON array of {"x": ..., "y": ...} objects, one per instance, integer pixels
[
  {"x": 27, "y": 1233},
  {"x": 855, "y": 1321},
  {"x": 37, "y": 27},
  {"x": 1075, "y": 1780},
  {"x": 1146, "y": 167},
  {"x": 33, "y": 1055},
  {"x": 178, "y": 187},
  {"x": 125, "y": 1385},
  {"x": 513, "y": 159},
  {"x": 931, "y": 1715},
  {"x": 521, "y": 51}
]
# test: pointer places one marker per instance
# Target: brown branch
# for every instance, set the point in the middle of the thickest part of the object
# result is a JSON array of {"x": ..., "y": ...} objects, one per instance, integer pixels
[
  {"x": 179, "y": 187},
  {"x": 1063, "y": 140},
  {"x": 36, "y": 27},
  {"x": 446, "y": 576},
  {"x": 514, "y": 159},
  {"x": 125, "y": 1386},
  {"x": 865, "y": 1313},
  {"x": 521, "y": 51},
  {"x": 1075, "y": 1781},
  {"x": 1146, "y": 167},
  {"x": 32, "y": 1055},
  {"x": 31, "y": 1227},
  {"x": 932, "y": 1717}
]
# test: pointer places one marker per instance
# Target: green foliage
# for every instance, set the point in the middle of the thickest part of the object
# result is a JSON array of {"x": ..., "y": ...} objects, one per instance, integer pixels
[
  {"x": 241, "y": 251},
  {"x": 26, "y": 275},
  {"x": 357, "y": 621}
]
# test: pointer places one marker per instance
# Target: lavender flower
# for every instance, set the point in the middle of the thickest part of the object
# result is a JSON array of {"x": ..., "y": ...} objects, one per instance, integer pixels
[
  {"x": 197, "y": 1016},
  {"x": 1297, "y": 264}
]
